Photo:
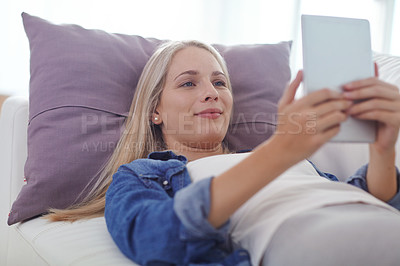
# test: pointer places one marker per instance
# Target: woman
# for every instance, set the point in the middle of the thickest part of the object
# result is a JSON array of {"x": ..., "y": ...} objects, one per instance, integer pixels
[{"x": 180, "y": 113}]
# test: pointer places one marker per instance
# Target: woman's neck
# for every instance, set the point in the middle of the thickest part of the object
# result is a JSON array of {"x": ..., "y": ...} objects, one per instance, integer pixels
[{"x": 194, "y": 153}]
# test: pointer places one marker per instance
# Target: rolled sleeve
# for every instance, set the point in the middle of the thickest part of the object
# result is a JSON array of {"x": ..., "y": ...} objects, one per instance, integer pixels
[
  {"x": 359, "y": 179},
  {"x": 192, "y": 206}
]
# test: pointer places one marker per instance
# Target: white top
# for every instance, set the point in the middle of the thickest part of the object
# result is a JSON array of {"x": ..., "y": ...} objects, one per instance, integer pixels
[{"x": 298, "y": 189}]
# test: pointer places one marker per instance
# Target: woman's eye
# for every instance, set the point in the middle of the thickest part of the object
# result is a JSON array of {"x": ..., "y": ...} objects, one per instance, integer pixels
[
  {"x": 187, "y": 84},
  {"x": 220, "y": 84}
]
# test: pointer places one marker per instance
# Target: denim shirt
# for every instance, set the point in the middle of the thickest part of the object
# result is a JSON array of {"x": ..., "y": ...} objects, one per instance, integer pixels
[{"x": 154, "y": 221}]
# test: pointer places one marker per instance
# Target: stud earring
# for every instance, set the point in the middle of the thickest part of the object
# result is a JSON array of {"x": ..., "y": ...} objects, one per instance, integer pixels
[{"x": 156, "y": 118}]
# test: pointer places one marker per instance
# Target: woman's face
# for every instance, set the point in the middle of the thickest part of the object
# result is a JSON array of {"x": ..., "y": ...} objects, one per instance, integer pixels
[{"x": 196, "y": 104}]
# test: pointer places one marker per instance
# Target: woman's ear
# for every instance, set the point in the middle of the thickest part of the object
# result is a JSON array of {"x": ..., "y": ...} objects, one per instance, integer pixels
[{"x": 156, "y": 118}]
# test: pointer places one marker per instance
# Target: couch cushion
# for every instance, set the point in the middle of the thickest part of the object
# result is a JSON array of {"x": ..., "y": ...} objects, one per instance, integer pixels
[
  {"x": 82, "y": 83},
  {"x": 85, "y": 242},
  {"x": 389, "y": 68}
]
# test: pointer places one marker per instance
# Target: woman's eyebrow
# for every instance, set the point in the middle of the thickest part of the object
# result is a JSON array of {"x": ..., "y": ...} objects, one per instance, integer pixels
[
  {"x": 216, "y": 73},
  {"x": 188, "y": 72},
  {"x": 194, "y": 73}
]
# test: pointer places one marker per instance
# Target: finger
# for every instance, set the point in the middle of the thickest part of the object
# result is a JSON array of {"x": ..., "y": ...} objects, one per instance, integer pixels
[
  {"x": 290, "y": 91},
  {"x": 331, "y": 132},
  {"x": 321, "y": 138},
  {"x": 374, "y": 104},
  {"x": 376, "y": 69},
  {"x": 369, "y": 82},
  {"x": 372, "y": 92},
  {"x": 383, "y": 116},
  {"x": 330, "y": 120},
  {"x": 320, "y": 96},
  {"x": 331, "y": 106}
]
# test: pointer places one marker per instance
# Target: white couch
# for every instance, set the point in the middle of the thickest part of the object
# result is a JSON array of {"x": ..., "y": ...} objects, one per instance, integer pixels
[{"x": 38, "y": 242}]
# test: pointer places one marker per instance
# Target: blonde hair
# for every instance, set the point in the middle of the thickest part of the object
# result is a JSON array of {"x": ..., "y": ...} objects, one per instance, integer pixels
[{"x": 140, "y": 136}]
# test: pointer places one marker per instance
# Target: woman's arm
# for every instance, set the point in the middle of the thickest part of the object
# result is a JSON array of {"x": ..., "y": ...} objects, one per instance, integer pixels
[
  {"x": 304, "y": 125},
  {"x": 381, "y": 173},
  {"x": 380, "y": 102}
]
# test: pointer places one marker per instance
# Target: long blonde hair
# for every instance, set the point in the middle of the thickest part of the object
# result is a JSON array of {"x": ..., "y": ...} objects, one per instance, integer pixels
[{"x": 140, "y": 136}]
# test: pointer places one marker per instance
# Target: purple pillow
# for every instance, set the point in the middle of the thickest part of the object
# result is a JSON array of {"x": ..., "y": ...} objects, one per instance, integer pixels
[
  {"x": 259, "y": 75},
  {"x": 81, "y": 87}
]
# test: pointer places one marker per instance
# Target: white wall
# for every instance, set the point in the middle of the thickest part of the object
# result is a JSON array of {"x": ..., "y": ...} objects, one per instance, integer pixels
[
  {"x": 214, "y": 21},
  {"x": 395, "y": 42}
]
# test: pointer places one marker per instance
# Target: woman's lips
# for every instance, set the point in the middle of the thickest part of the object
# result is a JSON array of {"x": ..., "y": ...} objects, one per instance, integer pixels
[{"x": 212, "y": 113}]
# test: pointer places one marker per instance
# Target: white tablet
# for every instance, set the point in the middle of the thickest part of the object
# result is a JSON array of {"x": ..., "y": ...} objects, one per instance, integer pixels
[{"x": 337, "y": 51}]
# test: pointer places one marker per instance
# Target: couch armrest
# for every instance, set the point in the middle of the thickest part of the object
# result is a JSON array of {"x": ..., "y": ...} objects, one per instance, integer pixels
[{"x": 13, "y": 153}]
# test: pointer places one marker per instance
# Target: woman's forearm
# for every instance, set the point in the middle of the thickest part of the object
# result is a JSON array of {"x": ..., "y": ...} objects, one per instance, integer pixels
[
  {"x": 381, "y": 174},
  {"x": 234, "y": 187}
]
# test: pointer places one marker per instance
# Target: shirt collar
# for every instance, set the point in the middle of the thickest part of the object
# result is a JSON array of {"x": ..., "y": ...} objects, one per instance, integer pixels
[{"x": 167, "y": 155}]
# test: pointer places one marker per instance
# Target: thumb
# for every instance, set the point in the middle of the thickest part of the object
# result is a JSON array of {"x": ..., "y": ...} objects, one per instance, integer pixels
[{"x": 290, "y": 91}]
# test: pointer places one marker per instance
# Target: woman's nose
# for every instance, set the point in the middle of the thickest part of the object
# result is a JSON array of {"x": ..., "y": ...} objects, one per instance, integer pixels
[{"x": 210, "y": 93}]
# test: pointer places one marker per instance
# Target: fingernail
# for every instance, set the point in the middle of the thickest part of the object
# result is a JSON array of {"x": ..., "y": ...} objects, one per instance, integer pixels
[
  {"x": 349, "y": 85},
  {"x": 347, "y": 94}
]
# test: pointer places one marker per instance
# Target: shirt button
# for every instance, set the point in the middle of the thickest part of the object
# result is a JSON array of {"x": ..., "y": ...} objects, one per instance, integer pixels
[{"x": 165, "y": 183}]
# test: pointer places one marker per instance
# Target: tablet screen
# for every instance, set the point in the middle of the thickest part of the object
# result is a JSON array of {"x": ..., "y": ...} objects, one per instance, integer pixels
[{"x": 337, "y": 51}]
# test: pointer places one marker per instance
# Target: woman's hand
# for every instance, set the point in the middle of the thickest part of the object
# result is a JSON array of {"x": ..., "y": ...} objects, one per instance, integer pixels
[
  {"x": 380, "y": 102},
  {"x": 304, "y": 125}
]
